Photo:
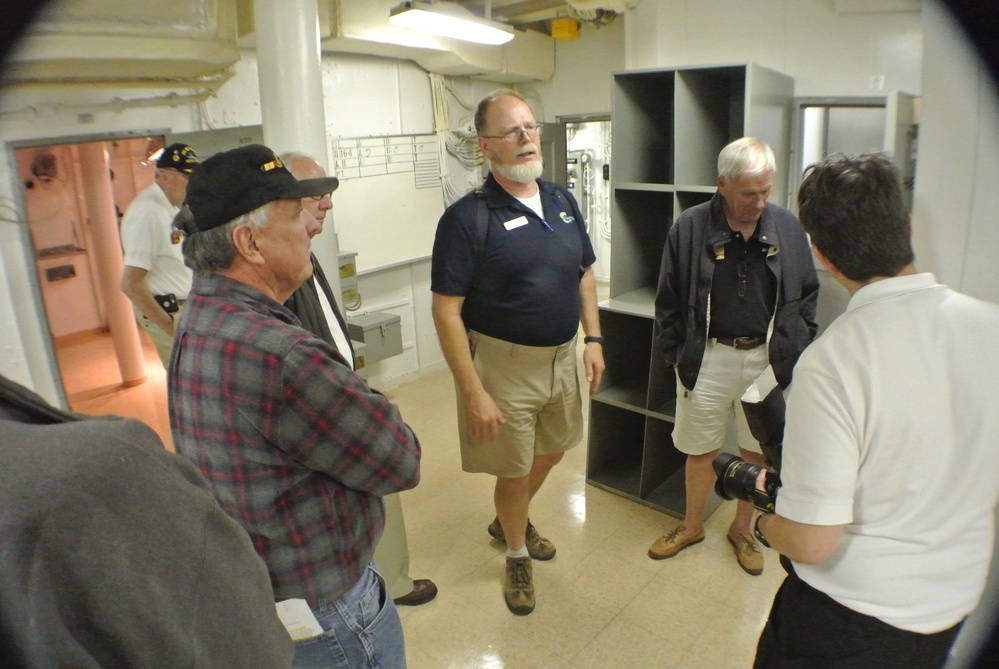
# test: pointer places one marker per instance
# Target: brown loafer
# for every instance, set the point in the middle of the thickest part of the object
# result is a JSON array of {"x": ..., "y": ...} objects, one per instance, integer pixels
[
  {"x": 747, "y": 553},
  {"x": 673, "y": 542},
  {"x": 423, "y": 591}
]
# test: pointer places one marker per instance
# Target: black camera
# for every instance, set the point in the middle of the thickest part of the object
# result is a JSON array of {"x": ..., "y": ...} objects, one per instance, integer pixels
[{"x": 736, "y": 478}]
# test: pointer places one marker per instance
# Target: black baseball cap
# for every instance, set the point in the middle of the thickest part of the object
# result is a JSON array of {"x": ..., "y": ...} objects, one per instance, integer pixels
[
  {"x": 232, "y": 183},
  {"x": 178, "y": 156}
]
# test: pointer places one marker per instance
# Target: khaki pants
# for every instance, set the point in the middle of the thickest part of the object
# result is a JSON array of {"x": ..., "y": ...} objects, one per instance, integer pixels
[
  {"x": 162, "y": 340},
  {"x": 392, "y": 551}
]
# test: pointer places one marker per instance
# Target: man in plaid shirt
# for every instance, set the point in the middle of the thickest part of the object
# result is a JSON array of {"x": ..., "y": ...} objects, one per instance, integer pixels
[{"x": 296, "y": 446}]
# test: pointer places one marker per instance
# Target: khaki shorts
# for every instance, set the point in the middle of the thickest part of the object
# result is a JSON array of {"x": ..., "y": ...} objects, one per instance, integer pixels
[
  {"x": 536, "y": 389},
  {"x": 703, "y": 414}
]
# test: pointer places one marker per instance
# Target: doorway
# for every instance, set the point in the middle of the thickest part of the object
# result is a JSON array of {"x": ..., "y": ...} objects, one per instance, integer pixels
[
  {"x": 69, "y": 276},
  {"x": 822, "y": 127},
  {"x": 61, "y": 239},
  {"x": 585, "y": 170}
]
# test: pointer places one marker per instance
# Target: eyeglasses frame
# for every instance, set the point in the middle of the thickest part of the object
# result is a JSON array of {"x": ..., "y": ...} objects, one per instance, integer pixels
[{"x": 515, "y": 133}]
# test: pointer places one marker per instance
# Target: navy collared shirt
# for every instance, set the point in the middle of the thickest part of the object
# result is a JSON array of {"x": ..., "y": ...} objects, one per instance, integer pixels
[
  {"x": 524, "y": 286},
  {"x": 743, "y": 289}
]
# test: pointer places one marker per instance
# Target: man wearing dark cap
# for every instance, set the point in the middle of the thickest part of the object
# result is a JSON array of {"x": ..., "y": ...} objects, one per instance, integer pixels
[
  {"x": 155, "y": 278},
  {"x": 295, "y": 445}
]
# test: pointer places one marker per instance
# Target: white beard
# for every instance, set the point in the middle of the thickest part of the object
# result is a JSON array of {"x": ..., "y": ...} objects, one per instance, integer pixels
[{"x": 523, "y": 173}]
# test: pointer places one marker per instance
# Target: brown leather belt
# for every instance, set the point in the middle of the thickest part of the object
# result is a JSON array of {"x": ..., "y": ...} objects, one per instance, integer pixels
[{"x": 742, "y": 343}]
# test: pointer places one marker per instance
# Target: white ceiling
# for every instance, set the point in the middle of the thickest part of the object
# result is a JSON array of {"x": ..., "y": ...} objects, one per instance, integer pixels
[{"x": 520, "y": 13}]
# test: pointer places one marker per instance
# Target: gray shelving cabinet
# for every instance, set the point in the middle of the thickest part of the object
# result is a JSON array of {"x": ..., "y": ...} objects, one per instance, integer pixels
[{"x": 669, "y": 125}]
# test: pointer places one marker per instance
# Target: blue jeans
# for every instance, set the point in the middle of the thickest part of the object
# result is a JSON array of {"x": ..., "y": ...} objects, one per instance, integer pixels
[{"x": 363, "y": 630}]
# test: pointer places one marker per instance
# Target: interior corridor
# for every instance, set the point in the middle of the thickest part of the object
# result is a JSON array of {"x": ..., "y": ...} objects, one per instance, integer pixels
[{"x": 602, "y": 603}]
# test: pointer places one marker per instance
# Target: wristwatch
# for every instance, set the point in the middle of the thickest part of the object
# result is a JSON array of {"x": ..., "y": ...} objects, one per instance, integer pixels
[
  {"x": 756, "y": 530},
  {"x": 593, "y": 340}
]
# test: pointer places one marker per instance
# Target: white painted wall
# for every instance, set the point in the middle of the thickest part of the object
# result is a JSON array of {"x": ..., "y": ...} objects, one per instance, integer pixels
[
  {"x": 364, "y": 96},
  {"x": 954, "y": 228},
  {"x": 827, "y": 53},
  {"x": 583, "y": 69},
  {"x": 403, "y": 291}
]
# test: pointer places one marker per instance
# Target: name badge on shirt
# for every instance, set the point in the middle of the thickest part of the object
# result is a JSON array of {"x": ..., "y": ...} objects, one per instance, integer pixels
[{"x": 515, "y": 222}]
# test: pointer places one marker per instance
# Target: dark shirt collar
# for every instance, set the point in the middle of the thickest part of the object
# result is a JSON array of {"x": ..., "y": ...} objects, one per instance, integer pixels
[
  {"x": 496, "y": 195},
  {"x": 720, "y": 232}
]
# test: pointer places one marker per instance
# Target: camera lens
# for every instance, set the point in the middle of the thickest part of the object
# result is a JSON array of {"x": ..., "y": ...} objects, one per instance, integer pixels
[{"x": 736, "y": 478}]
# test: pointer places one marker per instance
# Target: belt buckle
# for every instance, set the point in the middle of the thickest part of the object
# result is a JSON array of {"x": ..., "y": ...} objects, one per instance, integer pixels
[{"x": 744, "y": 343}]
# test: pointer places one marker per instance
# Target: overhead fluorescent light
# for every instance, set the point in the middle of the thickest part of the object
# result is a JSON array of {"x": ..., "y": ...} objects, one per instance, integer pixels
[{"x": 448, "y": 19}]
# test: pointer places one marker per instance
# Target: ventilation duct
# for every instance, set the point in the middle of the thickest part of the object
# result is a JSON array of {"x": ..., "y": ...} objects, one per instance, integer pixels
[
  {"x": 181, "y": 42},
  {"x": 364, "y": 28},
  {"x": 194, "y": 43},
  {"x": 617, "y": 6}
]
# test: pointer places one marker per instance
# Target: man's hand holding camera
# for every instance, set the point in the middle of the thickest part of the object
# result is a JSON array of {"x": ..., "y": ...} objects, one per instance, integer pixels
[{"x": 738, "y": 479}]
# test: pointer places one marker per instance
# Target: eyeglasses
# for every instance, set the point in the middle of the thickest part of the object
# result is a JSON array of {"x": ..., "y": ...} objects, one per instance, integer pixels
[
  {"x": 317, "y": 198},
  {"x": 513, "y": 134},
  {"x": 741, "y": 286}
]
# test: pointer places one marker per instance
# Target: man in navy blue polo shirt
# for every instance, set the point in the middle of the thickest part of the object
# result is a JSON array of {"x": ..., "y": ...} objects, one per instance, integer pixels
[{"x": 512, "y": 280}]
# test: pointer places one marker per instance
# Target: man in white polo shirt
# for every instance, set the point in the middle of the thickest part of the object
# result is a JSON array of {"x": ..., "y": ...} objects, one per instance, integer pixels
[
  {"x": 155, "y": 277},
  {"x": 885, "y": 521}
]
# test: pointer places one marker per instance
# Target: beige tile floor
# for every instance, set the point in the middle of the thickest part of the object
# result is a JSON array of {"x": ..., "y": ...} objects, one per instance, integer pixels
[{"x": 602, "y": 603}]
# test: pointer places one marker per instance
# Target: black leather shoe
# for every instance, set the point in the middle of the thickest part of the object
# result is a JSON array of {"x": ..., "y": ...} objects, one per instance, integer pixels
[{"x": 423, "y": 591}]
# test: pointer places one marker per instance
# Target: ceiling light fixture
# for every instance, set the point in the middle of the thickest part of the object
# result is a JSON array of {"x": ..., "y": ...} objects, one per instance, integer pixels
[{"x": 449, "y": 19}]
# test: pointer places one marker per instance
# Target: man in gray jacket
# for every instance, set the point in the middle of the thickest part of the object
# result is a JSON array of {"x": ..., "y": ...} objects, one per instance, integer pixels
[
  {"x": 115, "y": 554},
  {"x": 737, "y": 293}
]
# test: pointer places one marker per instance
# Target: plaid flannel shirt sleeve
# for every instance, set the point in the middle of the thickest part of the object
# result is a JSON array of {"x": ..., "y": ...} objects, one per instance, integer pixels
[{"x": 332, "y": 422}]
